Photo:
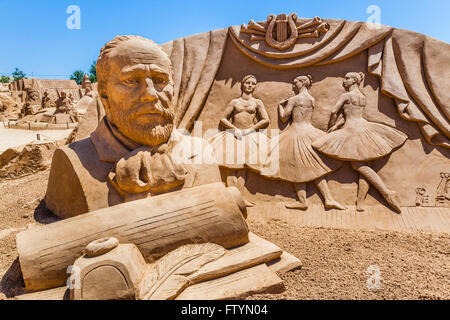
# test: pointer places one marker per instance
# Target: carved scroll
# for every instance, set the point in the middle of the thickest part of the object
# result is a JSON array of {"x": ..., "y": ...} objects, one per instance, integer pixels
[{"x": 156, "y": 225}]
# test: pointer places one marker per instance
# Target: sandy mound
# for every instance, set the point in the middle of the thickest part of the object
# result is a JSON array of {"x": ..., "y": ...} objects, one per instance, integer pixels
[{"x": 25, "y": 160}]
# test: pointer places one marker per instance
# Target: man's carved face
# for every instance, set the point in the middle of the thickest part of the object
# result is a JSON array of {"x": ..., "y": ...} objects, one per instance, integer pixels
[{"x": 138, "y": 92}]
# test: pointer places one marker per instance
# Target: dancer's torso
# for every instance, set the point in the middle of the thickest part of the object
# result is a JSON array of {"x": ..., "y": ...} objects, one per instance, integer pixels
[
  {"x": 303, "y": 109},
  {"x": 354, "y": 107},
  {"x": 244, "y": 113}
]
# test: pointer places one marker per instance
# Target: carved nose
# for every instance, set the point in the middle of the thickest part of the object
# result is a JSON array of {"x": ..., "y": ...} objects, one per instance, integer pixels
[{"x": 150, "y": 91}]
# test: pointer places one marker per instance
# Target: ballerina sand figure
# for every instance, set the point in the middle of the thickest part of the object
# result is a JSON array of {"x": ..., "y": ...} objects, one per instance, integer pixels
[
  {"x": 352, "y": 138},
  {"x": 299, "y": 163},
  {"x": 241, "y": 143}
]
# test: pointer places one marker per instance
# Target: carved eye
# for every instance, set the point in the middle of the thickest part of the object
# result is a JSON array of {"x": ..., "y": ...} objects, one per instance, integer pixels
[
  {"x": 130, "y": 81},
  {"x": 160, "y": 80}
]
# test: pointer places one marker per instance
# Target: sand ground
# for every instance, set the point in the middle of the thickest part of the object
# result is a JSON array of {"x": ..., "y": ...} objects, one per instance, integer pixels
[{"x": 335, "y": 262}]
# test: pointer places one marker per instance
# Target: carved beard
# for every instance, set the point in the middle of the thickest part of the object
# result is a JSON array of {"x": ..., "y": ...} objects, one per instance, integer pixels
[{"x": 150, "y": 133}]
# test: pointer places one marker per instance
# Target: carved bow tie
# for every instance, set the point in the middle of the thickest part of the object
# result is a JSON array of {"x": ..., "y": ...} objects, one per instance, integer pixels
[{"x": 147, "y": 170}]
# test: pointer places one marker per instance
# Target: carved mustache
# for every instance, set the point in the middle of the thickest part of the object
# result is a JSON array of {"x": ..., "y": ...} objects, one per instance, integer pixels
[{"x": 155, "y": 109}]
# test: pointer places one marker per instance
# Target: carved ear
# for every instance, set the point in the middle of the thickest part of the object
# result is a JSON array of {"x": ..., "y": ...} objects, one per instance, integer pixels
[
  {"x": 102, "y": 95},
  {"x": 102, "y": 89}
]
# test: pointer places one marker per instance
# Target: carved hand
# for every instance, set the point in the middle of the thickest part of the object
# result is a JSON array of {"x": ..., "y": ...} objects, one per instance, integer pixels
[
  {"x": 238, "y": 134},
  {"x": 333, "y": 128},
  {"x": 141, "y": 171}
]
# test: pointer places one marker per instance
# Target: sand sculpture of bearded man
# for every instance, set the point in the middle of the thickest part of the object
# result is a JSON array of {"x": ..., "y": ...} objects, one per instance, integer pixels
[{"x": 135, "y": 151}]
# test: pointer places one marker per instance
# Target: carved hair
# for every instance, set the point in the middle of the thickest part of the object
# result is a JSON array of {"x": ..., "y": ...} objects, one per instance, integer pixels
[
  {"x": 307, "y": 80},
  {"x": 101, "y": 67},
  {"x": 358, "y": 76},
  {"x": 420, "y": 191},
  {"x": 249, "y": 76}
]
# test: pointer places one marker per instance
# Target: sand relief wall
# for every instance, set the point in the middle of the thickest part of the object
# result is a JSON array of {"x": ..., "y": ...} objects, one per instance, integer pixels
[{"x": 415, "y": 164}]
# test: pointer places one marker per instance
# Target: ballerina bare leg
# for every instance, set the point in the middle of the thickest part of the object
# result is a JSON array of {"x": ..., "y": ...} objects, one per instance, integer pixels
[
  {"x": 232, "y": 180},
  {"x": 373, "y": 178},
  {"x": 238, "y": 179},
  {"x": 300, "y": 189},
  {"x": 330, "y": 203},
  {"x": 363, "y": 189}
]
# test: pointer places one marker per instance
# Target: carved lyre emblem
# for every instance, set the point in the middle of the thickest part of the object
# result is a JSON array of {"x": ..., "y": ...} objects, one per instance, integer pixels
[
  {"x": 282, "y": 24},
  {"x": 282, "y": 32}
]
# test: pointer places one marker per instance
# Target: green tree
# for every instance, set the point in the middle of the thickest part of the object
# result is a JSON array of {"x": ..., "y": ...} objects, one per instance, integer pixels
[
  {"x": 5, "y": 79},
  {"x": 18, "y": 74},
  {"x": 77, "y": 75},
  {"x": 93, "y": 72}
]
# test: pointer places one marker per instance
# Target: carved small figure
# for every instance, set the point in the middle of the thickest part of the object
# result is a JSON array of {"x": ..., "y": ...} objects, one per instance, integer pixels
[
  {"x": 71, "y": 98},
  {"x": 352, "y": 138},
  {"x": 33, "y": 96},
  {"x": 443, "y": 190},
  {"x": 421, "y": 198},
  {"x": 63, "y": 104},
  {"x": 31, "y": 105},
  {"x": 47, "y": 101},
  {"x": 243, "y": 118},
  {"x": 298, "y": 161},
  {"x": 90, "y": 93}
]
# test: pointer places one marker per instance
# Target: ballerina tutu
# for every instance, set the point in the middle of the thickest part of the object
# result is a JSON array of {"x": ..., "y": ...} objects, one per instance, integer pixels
[
  {"x": 293, "y": 158},
  {"x": 362, "y": 141},
  {"x": 233, "y": 153}
]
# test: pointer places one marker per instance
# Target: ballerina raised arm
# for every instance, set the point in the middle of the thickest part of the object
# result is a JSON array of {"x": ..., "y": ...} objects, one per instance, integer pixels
[
  {"x": 338, "y": 121},
  {"x": 286, "y": 112}
]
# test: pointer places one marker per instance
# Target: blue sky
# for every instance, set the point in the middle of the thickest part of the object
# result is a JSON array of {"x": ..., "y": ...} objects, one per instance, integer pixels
[{"x": 34, "y": 36}]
